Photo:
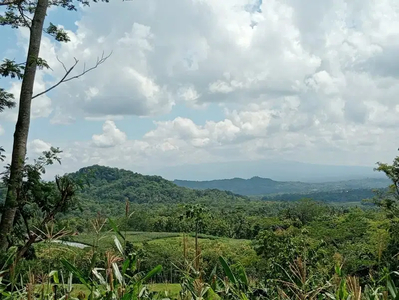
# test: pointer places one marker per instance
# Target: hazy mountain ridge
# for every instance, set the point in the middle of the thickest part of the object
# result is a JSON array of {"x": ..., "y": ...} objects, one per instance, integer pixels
[{"x": 266, "y": 186}]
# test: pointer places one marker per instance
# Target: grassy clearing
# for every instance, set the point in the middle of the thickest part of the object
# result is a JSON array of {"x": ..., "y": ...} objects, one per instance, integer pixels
[
  {"x": 137, "y": 238},
  {"x": 172, "y": 289}
]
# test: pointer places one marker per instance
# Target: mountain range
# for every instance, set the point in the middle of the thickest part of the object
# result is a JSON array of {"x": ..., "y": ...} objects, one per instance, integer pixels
[
  {"x": 279, "y": 170},
  {"x": 266, "y": 186}
]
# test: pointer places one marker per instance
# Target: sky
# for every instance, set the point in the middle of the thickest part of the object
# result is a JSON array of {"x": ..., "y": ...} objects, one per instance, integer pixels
[{"x": 205, "y": 83}]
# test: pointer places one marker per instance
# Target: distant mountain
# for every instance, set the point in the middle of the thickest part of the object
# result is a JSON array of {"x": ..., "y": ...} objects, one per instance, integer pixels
[
  {"x": 281, "y": 170},
  {"x": 108, "y": 185},
  {"x": 267, "y": 186}
]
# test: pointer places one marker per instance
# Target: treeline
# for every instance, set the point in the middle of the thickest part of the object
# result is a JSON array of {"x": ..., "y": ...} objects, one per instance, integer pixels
[{"x": 342, "y": 196}]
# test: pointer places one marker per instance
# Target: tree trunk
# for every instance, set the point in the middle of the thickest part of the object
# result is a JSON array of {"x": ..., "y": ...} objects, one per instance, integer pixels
[{"x": 22, "y": 126}]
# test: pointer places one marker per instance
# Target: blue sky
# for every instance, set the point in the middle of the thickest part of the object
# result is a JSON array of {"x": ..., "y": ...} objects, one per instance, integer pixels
[{"x": 205, "y": 83}]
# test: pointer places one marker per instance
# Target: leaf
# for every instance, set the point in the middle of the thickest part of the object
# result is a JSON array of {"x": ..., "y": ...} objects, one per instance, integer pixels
[
  {"x": 391, "y": 287},
  {"x": 227, "y": 270},
  {"x": 119, "y": 245},
  {"x": 153, "y": 272},
  {"x": 75, "y": 271},
  {"x": 125, "y": 265},
  {"x": 243, "y": 276},
  {"x": 55, "y": 276},
  {"x": 99, "y": 276},
  {"x": 118, "y": 274},
  {"x": 115, "y": 228},
  {"x": 59, "y": 34}
]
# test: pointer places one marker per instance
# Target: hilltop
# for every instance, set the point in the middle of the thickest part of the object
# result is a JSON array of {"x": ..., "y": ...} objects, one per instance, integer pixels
[{"x": 105, "y": 184}]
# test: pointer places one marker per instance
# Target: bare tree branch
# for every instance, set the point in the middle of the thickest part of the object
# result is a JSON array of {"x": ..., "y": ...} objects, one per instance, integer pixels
[
  {"x": 27, "y": 20},
  {"x": 63, "y": 65},
  {"x": 65, "y": 78}
]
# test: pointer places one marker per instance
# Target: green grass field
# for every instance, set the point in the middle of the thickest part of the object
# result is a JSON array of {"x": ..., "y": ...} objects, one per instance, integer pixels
[
  {"x": 137, "y": 238},
  {"x": 159, "y": 248}
]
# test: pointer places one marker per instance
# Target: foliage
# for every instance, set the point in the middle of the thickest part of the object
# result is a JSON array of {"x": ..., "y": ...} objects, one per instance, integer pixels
[
  {"x": 39, "y": 203},
  {"x": 111, "y": 184},
  {"x": 340, "y": 196}
]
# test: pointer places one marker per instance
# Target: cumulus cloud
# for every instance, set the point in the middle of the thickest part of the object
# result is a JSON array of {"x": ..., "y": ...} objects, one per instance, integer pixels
[
  {"x": 317, "y": 80},
  {"x": 230, "y": 52},
  {"x": 41, "y": 106},
  {"x": 110, "y": 137},
  {"x": 38, "y": 146}
]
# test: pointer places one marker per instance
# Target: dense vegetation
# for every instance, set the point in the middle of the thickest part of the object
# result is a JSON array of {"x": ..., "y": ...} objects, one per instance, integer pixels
[
  {"x": 334, "y": 197},
  {"x": 271, "y": 240},
  {"x": 128, "y": 225},
  {"x": 204, "y": 240}
]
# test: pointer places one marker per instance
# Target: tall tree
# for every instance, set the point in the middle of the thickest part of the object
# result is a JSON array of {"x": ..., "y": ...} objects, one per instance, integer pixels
[{"x": 30, "y": 14}]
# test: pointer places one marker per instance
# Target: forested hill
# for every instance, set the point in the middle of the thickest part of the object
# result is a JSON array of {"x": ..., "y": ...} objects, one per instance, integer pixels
[
  {"x": 107, "y": 184},
  {"x": 266, "y": 186}
]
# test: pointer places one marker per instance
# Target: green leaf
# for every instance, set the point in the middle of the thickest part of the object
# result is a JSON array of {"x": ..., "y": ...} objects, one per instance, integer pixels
[
  {"x": 9, "y": 68},
  {"x": 58, "y": 33},
  {"x": 54, "y": 274},
  {"x": 243, "y": 276},
  {"x": 125, "y": 265},
  {"x": 153, "y": 272},
  {"x": 115, "y": 228},
  {"x": 391, "y": 288},
  {"x": 227, "y": 270},
  {"x": 71, "y": 268}
]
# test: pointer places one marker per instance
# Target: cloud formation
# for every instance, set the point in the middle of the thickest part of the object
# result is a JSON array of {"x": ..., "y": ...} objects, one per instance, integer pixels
[
  {"x": 313, "y": 80},
  {"x": 110, "y": 137},
  {"x": 37, "y": 147}
]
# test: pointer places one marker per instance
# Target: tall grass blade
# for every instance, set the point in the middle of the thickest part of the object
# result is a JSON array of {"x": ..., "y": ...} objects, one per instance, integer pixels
[
  {"x": 115, "y": 228},
  {"x": 227, "y": 270},
  {"x": 152, "y": 273}
]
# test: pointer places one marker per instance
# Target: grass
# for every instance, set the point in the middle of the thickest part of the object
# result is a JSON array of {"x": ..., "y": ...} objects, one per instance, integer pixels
[
  {"x": 135, "y": 237},
  {"x": 159, "y": 248},
  {"x": 172, "y": 290}
]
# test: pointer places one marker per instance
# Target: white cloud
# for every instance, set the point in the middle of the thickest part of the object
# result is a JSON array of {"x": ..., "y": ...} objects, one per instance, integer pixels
[
  {"x": 315, "y": 80},
  {"x": 1, "y": 130},
  {"x": 212, "y": 54},
  {"x": 41, "y": 106},
  {"x": 37, "y": 146},
  {"x": 110, "y": 137}
]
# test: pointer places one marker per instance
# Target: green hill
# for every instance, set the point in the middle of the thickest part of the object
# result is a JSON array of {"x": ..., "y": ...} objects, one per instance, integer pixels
[{"x": 107, "y": 184}]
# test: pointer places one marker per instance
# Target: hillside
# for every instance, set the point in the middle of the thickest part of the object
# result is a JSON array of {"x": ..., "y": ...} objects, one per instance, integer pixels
[
  {"x": 107, "y": 184},
  {"x": 267, "y": 186}
]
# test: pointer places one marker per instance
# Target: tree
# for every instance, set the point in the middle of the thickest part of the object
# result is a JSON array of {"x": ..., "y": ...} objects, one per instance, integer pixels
[
  {"x": 389, "y": 200},
  {"x": 40, "y": 202},
  {"x": 6, "y": 101},
  {"x": 30, "y": 14},
  {"x": 197, "y": 214}
]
